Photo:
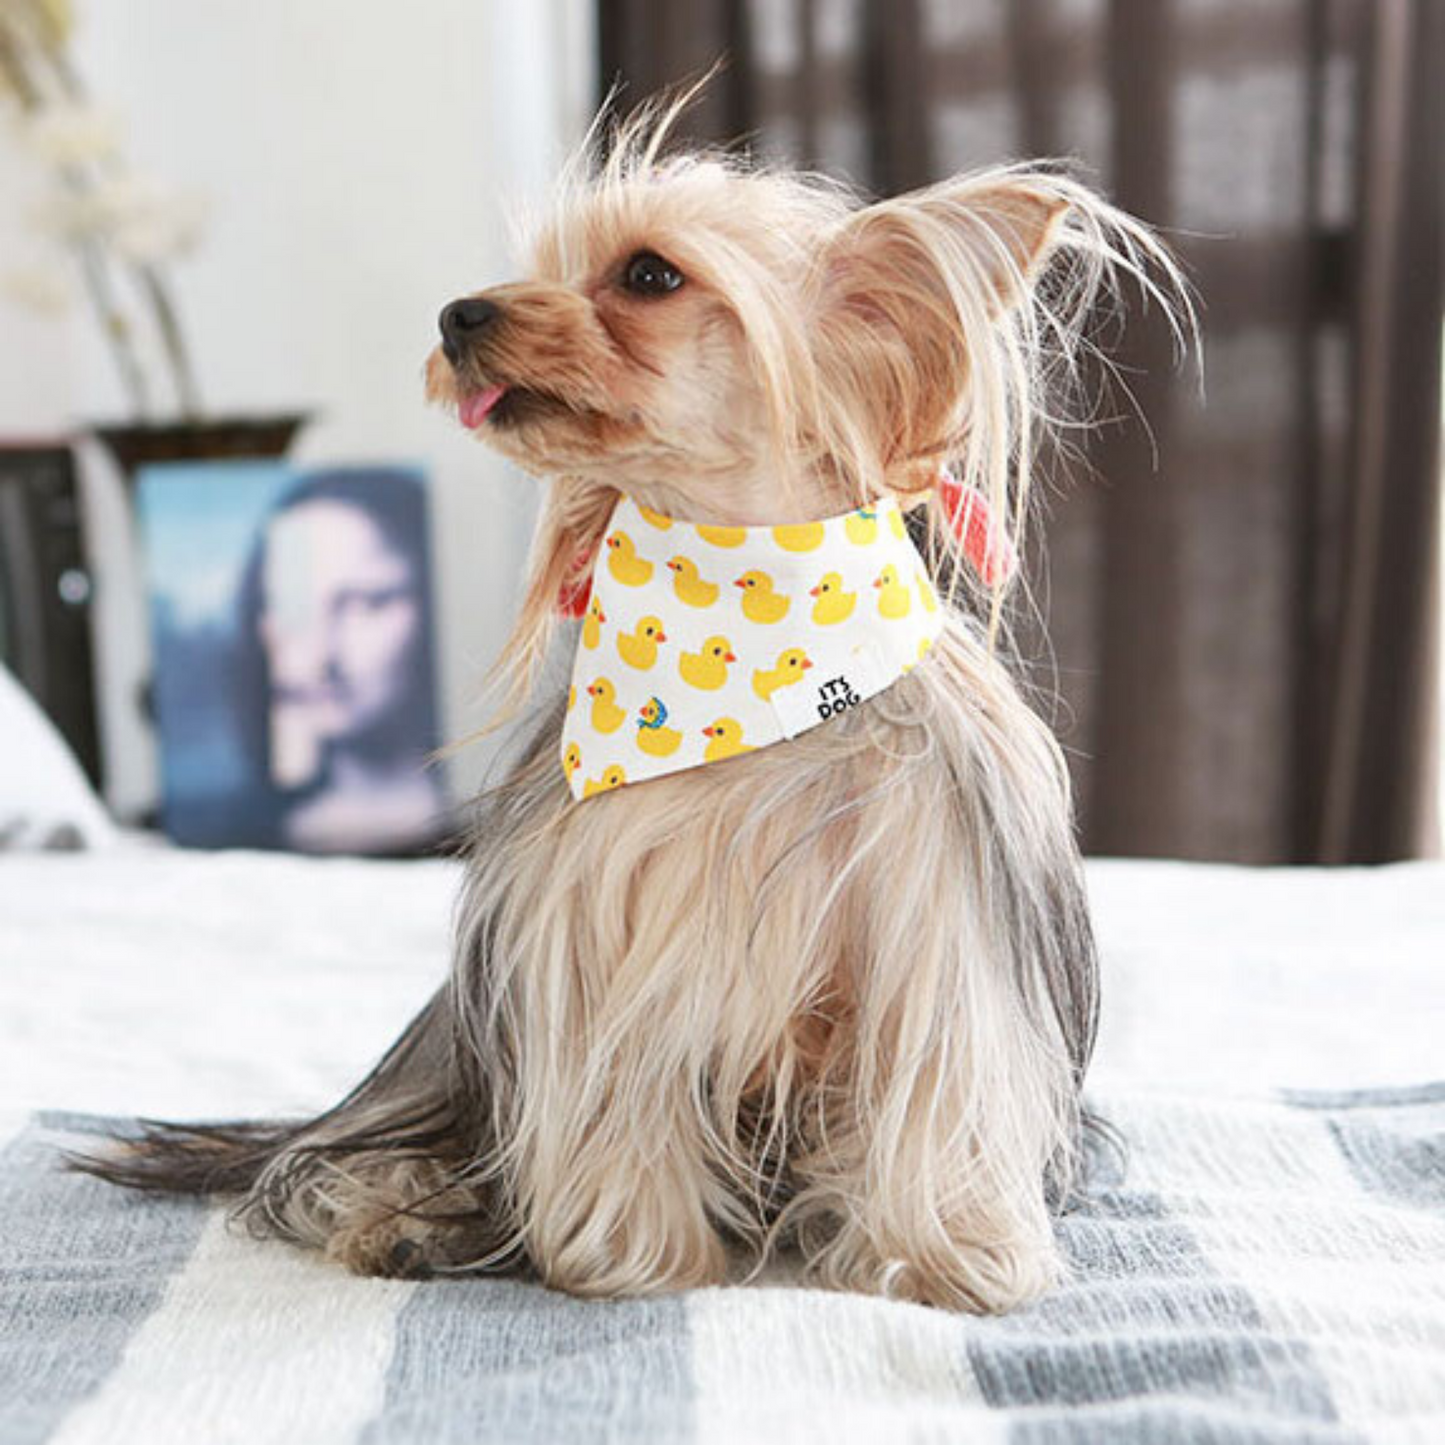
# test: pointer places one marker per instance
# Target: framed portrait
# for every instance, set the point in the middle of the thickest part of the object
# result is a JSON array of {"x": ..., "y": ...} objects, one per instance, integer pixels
[{"x": 295, "y": 681}]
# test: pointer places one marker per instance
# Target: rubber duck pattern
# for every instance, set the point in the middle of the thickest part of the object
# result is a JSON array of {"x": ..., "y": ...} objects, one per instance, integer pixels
[{"x": 702, "y": 643}]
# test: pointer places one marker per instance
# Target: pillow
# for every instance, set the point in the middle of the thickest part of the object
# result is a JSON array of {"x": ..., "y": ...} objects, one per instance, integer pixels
[{"x": 46, "y": 802}]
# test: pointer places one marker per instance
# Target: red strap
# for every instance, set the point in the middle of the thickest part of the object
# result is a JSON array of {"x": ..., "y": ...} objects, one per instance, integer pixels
[
  {"x": 575, "y": 593},
  {"x": 986, "y": 545}
]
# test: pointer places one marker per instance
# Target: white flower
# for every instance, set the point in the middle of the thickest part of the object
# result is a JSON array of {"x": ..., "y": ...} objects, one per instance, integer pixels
[
  {"x": 66, "y": 215},
  {"x": 147, "y": 224},
  {"x": 42, "y": 286},
  {"x": 74, "y": 135},
  {"x": 139, "y": 221}
]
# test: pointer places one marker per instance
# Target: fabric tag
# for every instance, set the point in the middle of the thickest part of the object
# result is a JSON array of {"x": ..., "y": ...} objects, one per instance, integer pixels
[{"x": 837, "y": 680}]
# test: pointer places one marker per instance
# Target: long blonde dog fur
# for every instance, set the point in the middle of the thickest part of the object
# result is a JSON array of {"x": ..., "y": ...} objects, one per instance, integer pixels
[{"x": 838, "y": 995}]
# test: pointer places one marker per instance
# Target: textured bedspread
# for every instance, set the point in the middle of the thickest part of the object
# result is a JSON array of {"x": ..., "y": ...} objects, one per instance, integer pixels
[
  {"x": 1272, "y": 1268},
  {"x": 1267, "y": 1270}
]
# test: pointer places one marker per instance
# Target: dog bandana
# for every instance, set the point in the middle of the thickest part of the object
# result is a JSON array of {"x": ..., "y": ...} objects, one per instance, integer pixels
[{"x": 701, "y": 643}]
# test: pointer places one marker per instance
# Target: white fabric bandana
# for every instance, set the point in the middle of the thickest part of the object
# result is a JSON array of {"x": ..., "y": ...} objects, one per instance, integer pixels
[{"x": 700, "y": 643}]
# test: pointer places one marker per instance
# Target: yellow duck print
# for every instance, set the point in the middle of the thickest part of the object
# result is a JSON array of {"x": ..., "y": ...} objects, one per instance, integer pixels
[
  {"x": 690, "y": 585},
  {"x": 709, "y": 668},
  {"x": 571, "y": 697},
  {"x": 799, "y": 536},
  {"x": 924, "y": 643},
  {"x": 894, "y": 599},
  {"x": 727, "y": 740},
  {"x": 760, "y": 602},
  {"x": 833, "y": 604},
  {"x": 571, "y": 760},
  {"x": 592, "y": 624},
  {"x": 655, "y": 519},
  {"x": 607, "y": 717},
  {"x": 652, "y": 737},
  {"x": 723, "y": 536},
  {"x": 861, "y": 527},
  {"x": 612, "y": 777},
  {"x": 899, "y": 526},
  {"x": 624, "y": 563},
  {"x": 926, "y": 594},
  {"x": 639, "y": 649},
  {"x": 790, "y": 667}
]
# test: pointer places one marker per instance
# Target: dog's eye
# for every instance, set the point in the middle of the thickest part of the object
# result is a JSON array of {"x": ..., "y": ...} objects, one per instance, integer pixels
[{"x": 647, "y": 274}]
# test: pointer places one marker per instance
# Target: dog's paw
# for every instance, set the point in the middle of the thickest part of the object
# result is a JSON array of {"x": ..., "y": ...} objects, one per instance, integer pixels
[
  {"x": 388, "y": 1248},
  {"x": 968, "y": 1278},
  {"x": 651, "y": 1255},
  {"x": 404, "y": 1219},
  {"x": 403, "y": 1246},
  {"x": 992, "y": 1281}
]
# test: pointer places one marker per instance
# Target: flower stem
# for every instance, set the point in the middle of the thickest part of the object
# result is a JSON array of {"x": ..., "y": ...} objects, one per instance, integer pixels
[
  {"x": 110, "y": 315},
  {"x": 188, "y": 394},
  {"x": 153, "y": 284},
  {"x": 114, "y": 325}
]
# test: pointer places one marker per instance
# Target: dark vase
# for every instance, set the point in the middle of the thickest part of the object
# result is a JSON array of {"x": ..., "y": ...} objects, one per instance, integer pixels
[{"x": 137, "y": 445}]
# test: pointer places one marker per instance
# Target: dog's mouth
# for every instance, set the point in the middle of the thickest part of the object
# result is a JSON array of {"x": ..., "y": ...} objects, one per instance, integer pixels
[
  {"x": 503, "y": 404},
  {"x": 474, "y": 407}
]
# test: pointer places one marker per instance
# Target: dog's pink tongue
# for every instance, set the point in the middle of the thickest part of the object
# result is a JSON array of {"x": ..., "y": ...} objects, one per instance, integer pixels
[{"x": 476, "y": 406}]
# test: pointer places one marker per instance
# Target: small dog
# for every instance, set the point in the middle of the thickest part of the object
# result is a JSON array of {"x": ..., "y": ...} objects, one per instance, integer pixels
[{"x": 834, "y": 988}]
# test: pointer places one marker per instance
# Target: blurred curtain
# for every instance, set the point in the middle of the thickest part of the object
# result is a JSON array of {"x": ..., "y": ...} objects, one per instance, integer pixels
[{"x": 1243, "y": 632}]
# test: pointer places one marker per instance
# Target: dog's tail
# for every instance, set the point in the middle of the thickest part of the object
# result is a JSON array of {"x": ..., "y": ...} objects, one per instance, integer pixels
[
  {"x": 422, "y": 1108},
  {"x": 405, "y": 1103}
]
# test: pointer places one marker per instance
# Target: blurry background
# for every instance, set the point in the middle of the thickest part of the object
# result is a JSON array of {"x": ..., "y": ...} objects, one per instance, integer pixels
[
  {"x": 354, "y": 162},
  {"x": 1245, "y": 631}
]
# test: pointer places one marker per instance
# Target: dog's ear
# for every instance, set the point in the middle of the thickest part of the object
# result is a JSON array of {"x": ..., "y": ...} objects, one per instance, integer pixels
[
  {"x": 910, "y": 288},
  {"x": 990, "y": 234},
  {"x": 1018, "y": 226}
]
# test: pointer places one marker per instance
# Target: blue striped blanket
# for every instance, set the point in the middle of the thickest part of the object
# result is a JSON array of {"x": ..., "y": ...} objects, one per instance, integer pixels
[{"x": 1269, "y": 1269}]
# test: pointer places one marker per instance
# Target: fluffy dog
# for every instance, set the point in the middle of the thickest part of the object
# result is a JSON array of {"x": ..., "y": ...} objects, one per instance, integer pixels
[{"x": 837, "y": 992}]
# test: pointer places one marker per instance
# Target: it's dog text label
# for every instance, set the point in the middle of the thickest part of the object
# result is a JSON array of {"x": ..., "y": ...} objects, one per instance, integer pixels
[{"x": 836, "y": 695}]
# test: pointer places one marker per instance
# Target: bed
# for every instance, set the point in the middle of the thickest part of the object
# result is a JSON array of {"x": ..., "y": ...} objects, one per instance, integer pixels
[{"x": 1271, "y": 1267}]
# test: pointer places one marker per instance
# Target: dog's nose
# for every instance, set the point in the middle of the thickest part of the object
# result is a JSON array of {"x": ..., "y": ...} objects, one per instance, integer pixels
[{"x": 463, "y": 321}]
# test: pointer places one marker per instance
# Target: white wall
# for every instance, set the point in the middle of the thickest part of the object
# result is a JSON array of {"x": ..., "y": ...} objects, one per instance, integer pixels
[{"x": 358, "y": 155}]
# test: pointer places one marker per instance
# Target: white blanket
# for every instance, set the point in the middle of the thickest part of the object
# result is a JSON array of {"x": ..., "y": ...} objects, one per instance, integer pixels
[
  {"x": 1270, "y": 1270},
  {"x": 157, "y": 981}
]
